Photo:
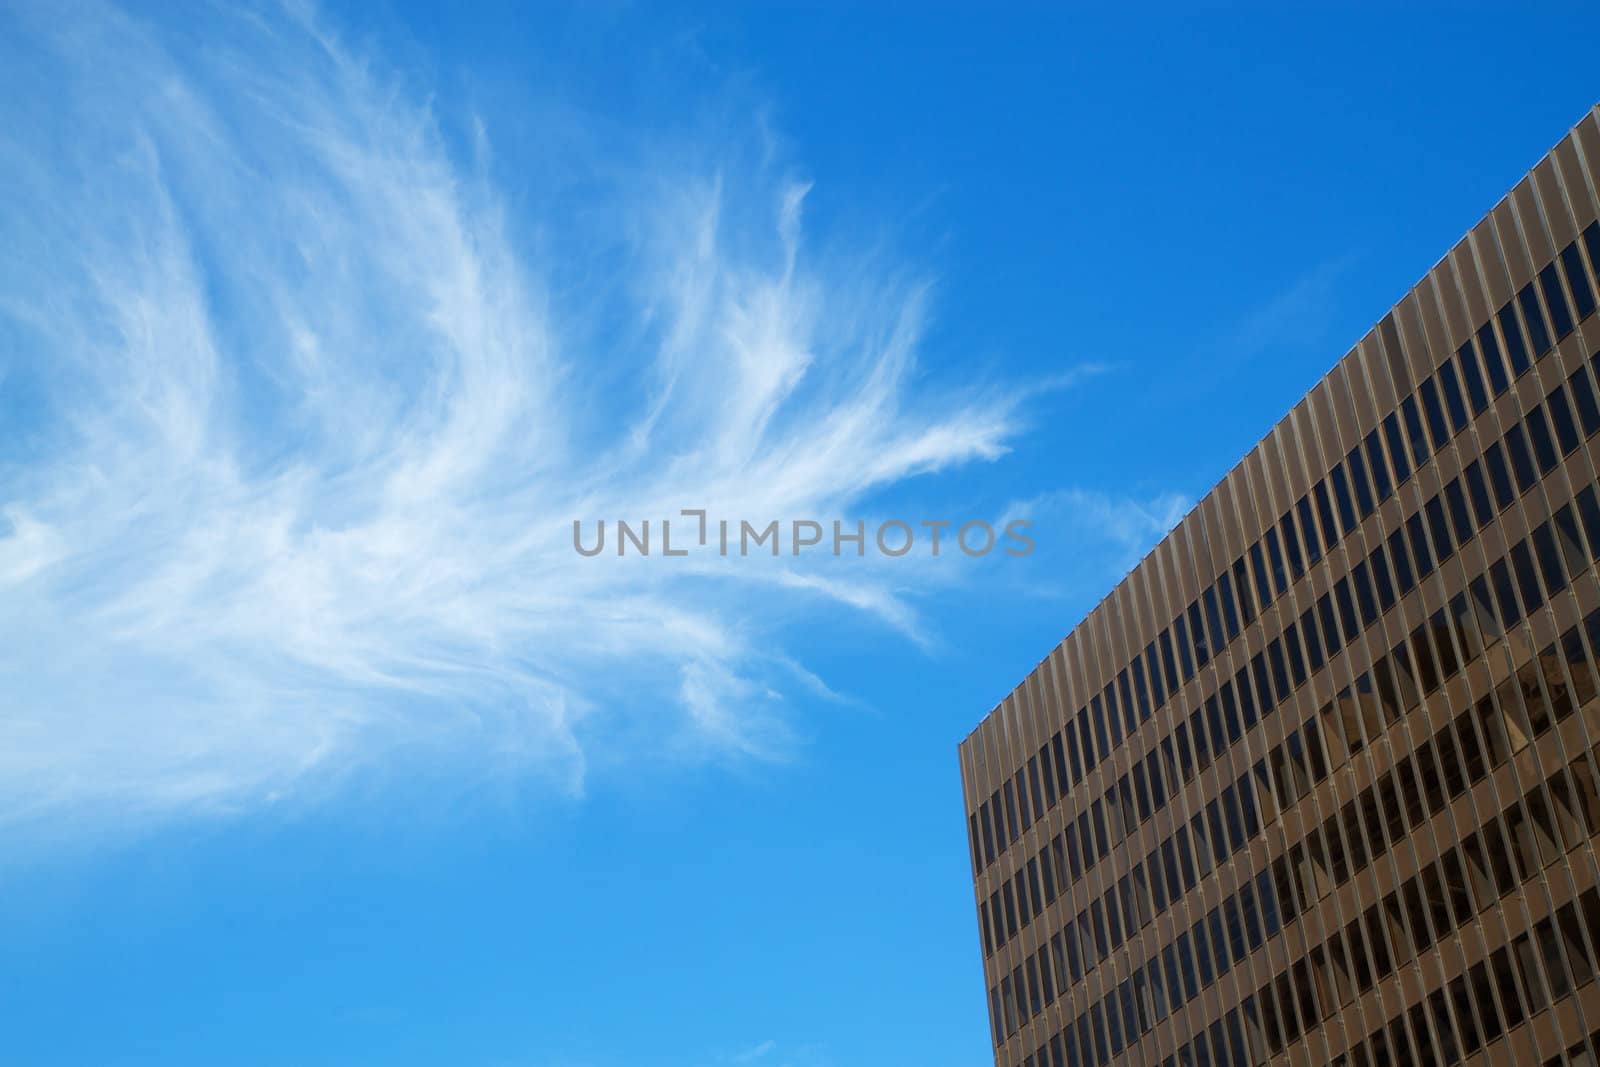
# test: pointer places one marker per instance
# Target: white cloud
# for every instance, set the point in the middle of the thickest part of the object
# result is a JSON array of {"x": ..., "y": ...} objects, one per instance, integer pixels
[
  {"x": 1089, "y": 539},
  {"x": 299, "y": 422}
]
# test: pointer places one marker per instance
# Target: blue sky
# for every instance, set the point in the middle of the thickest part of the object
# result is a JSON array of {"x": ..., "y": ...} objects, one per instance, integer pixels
[{"x": 319, "y": 325}]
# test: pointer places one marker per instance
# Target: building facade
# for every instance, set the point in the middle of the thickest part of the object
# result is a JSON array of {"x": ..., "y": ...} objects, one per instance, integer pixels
[{"x": 1319, "y": 781}]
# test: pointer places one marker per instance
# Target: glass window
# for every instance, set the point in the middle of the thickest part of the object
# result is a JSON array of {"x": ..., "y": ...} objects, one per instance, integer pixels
[
  {"x": 1347, "y": 609},
  {"x": 1152, "y": 668},
  {"x": 1214, "y": 631},
  {"x": 1313, "y": 640},
  {"x": 1308, "y": 529},
  {"x": 1414, "y": 433},
  {"x": 1472, "y": 378},
  {"x": 1397, "y": 448},
  {"x": 1567, "y": 435},
  {"x": 1280, "y": 672},
  {"x": 1443, "y": 547},
  {"x": 1297, "y": 663},
  {"x": 1181, "y": 637},
  {"x": 1330, "y": 531},
  {"x": 1234, "y": 820},
  {"x": 1589, "y": 511},
  {"x": 1478, "y": 493},
  {"x": 1230, "y": 615},
  {"x": 1191, "y": 987},
  {"x": 1258, "y": 564},
  {"x": 1202, "y": 953},
  {"x": 1434, "y": 411},
  {"x": 1197, "y": 635},
  {"x": 1359, "y": 483},
  {"x": 1247, "y": 704},
  {"x": 1493, "y": 362},
  {"x": 1165, "y": 640},
  {"x": 1560, "y": 313},
  {"x": 1538, "y": 332},
  {"x": 1455, "y": 405},
  {"x": 1291, "y": 544},
  {"x": 1522, "y": 565},
  {"x": 1258, "y": 665},
  {"x": 1125, "y": 692},
  {"x": 1516, "y": 351},
  {"x": 1583, "y": 399},
  {"x": 1330, "y": 626},
  {"x": 1494, "y": 461},
  {"x": 1521, "y": 457},
  {"x": 1591, "y": 241},
  {"x": 1505, "y": 599},
  {"x": 1034, "y": 788},
  {"x": 1379, "y": 468},
  {"x": 1241, "y": 591},
  {"x": 1072, "y": 754},
  {"x": 1173, "y": 981},
  {"x": 1199, "y": 739},
  {"x": 1280, "y": 573},
  {"x": 1404, "y": 578},
  {"x": 1381, "y": 580},
  {"x": 1365, "y": 600},
  {"x": 1544, "y": 447},
  {"x": 1549, "y": 557},
  {"x": 1577, "y": 280},
  {"x": 1460, "y": 517}
]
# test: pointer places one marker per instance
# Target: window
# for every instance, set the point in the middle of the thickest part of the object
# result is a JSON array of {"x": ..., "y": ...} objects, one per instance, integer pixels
[
  {"x": 1362, "y": 581},
  {"x": 1544, "y": 446},
  {"x": 1280, "y": 574},
  {"x": 1478, "y": 493},
  {"x": 1577, "y": 281},
  {"x": 1516, "y": 351},
  {"x": 1309, "y": 633},
  {"x": 1583, "y": 399},
  {"x": 1258, "y": 564},
  {"x": 1460, "y": 517},
  {"x": 1499, "y": 475},
  {"x": 1439, "y": 528},
  {"x": 1308, "y": 529},
  {"x": 1567, "y": 435},
  {"x": 1379, "y": 468},
  {"x": 1359, "y": 483},
  {"x": 1165, "y": 639},
  {"x": 1493, "y": 361},
  {"x": 1538, "y": 332},
  {"x": 1291, "y": 544},
  {"x": 1125, "y": 691},
  {"x": 1397, "y": 448},
  {"x": 1413, "y": 431},
  {"x": 1330, "y": 532},
  {"x": 1381, "y": 580},
  {"x": 1435, "y": 414},
  {"x": 1142, "y": 686},
  {"x": 1472, "y": 378},
  {"x": 1197, "y": 635},
  {"x": 1560, "y": 314},
  {"x": 1454, "y": 404},
  {"x": 1516, "y": 440},
  {"x": 1241, "y": 590}
]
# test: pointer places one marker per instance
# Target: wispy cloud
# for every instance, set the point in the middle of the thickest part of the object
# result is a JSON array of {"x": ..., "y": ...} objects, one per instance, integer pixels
[
  {"x": 1301, "y": 312},
  {"x": 297, "y": 420},
  {"x": 1096, "y": 537}
]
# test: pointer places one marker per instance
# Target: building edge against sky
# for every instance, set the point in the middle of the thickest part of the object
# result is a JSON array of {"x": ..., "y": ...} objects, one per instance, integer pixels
[{"x": 1319, "y": 780}]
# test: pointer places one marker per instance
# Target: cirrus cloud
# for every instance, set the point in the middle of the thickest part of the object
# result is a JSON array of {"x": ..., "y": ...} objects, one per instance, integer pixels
[{"x": 298, "y": 415}]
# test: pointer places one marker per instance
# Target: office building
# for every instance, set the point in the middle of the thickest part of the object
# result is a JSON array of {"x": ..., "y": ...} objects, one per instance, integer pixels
[{"x": 1319, "y": 781}]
